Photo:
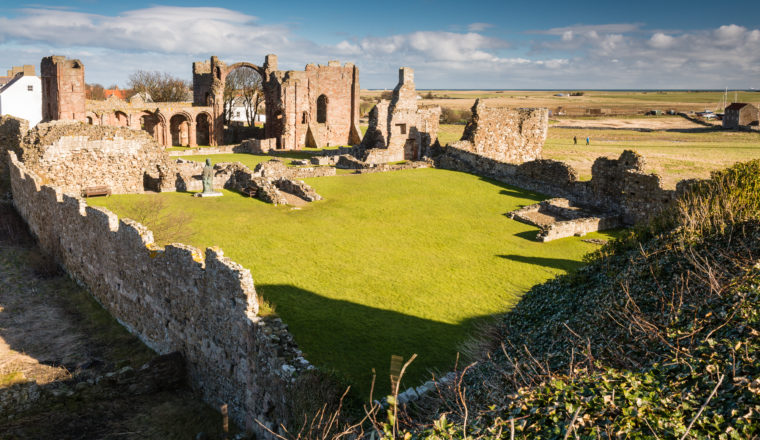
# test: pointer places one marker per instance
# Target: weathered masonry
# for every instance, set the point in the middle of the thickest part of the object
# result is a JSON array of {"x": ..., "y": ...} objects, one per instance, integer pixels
[
  {"x": 506, "y": 144},
  {"x": 316, "y": 107},
  {"x": 175, "y": 298},
  {"x": 63, "y": 89},
  {"x": 400, "y": 129}
]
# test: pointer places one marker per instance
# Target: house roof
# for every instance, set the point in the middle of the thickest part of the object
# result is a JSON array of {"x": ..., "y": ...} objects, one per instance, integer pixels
[
  {"x": 121, "y": 94},
  {"x": 737, "y": 106},
  {"x": 10, "y": 83}
]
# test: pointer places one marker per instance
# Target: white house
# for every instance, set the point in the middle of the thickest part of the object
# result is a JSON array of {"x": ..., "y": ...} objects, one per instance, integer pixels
[
  {"x": 237, "y": 113},
  {"x": 22, "y": 98}
]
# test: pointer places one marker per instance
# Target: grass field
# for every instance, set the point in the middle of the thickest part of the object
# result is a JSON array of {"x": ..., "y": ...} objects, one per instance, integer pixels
[
  {"x": 673, "y": 155},
  {"x": 622, "y": 102},
  {"x": 388, "y": 263}
]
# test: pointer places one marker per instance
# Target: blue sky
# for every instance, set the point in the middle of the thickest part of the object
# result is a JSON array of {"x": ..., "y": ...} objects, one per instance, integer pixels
[{"x": 450, "y": 44}]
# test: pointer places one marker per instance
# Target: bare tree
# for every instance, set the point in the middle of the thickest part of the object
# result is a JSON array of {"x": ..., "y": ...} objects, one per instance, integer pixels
[
  {"x": 161, "y": 86},
  {"x": 95, "y": 91},
  {"x": 243, "y": 86}
]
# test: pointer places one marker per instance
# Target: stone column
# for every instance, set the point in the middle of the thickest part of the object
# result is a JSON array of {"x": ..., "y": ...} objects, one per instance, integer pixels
[
  {"x": 192, "y": 140},
  {"x": 167, "y": 135}
]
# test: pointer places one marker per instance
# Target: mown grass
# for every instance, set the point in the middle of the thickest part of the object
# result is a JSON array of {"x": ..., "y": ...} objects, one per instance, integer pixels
[
  {"x": 388, "y": 263},
  {"x": 655, "y": 338},
  {"x": 672, "y": 155}
]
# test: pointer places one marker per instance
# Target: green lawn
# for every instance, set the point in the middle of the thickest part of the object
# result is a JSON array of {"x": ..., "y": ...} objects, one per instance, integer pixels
[{"x": 388, "y": 263}]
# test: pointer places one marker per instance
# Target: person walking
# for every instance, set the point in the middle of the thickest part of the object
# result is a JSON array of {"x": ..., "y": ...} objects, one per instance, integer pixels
[
  {"x": 588, "y": 140},
  {"x": 575, "y": 140}
]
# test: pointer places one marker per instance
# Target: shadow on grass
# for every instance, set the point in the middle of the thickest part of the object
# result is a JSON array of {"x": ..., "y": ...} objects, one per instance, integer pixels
[
  {"x": 353, "y": 339},
  {"x": 514, "y": 191},
  {"x": 527, "y": 235},
  {"x": 557, "y": 263}
]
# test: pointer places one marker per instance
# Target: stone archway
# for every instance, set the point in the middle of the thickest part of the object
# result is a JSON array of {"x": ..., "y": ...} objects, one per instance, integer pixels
[
  {"x": 203, "y": 129},
  {"x": 150, "y": 123},
  {"x": 120, "y": 119},
  {"x": 179, "y": 130},
  {"x": 219, "y": 72}
]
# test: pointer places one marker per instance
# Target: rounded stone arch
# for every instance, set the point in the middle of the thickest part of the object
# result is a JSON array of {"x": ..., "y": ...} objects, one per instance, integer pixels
[
  {"x": 179, "y": 128},
  {"x": 149, "y": 122},
  {"x": 162, "y": 127},
  {"x": 92, "y": 118},
  {"x": 204, "y": 128},
  {"x": 260, "y": 70},
  {"x": 120, "y": 118}
]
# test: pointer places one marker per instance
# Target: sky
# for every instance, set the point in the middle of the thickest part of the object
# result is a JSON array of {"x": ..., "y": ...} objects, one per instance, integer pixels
[{"x": 495, "y": 44}]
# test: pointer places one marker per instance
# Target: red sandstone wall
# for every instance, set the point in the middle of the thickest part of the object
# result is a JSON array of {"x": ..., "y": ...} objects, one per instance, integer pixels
[{"x": 63, "y": 89}]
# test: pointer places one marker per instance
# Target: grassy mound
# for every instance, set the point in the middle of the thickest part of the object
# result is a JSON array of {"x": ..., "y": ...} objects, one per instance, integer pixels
[{"x": 657, "y": 337}]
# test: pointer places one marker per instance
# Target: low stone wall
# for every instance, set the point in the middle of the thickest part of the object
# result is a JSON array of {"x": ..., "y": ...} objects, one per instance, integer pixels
[
  {"x": 381, "y": 168},
  {"x": 259, "y": 146},
  {"x": 298, "y": 188},
  {"x": 176, "y": 298},
  {"x": 559, "y": 218},
  {"x": 72, "y": 156},
  {"x": 347, "y": 162},
  {"x": 577, "y": 227},
  {"x": 277, "y": 169},
  {"x": 618, "y": 186}
]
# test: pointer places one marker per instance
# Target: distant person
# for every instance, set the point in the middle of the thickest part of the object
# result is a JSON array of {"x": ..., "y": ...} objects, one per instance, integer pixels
[
  {"x": 575, "y": 140},
  {"x": 588, "y": 140}
]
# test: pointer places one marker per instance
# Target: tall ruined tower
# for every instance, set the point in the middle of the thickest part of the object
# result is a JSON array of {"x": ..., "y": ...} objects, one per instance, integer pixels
[{"x": 63, "y": 89}]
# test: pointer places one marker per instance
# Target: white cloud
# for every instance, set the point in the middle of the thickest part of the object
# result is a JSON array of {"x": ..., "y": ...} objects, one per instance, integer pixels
[
  {"x": 621, "y": 55},
  {"x": 163, "y": 29},
  {"x": 661, "y": 41},
  {"x": 479, "y": 27}
]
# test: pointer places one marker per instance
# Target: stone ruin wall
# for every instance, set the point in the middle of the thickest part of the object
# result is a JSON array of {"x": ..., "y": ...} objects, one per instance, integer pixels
[
  {"x": 400, "y": 129},
  {"x": 195, "y": 128},
  {"x": 617, "y": 185},
  {"x": 505, "y": 144},
  {"x": 11, "y": 138},
  {"x": 292, "y": 106},
  {"x": 290, "y": 103},
  {"x": 63, "y": 89},
  {"x": 560, "y": 218},
  {"x": 267, "y": 180},
  {"x": 176, "y": 298},
  {"x": 505, "y": 134},
  {"x": 72, "y": 156}
]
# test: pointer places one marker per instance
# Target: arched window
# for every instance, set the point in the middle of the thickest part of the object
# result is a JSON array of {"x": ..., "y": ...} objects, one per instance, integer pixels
[{"x": 322, "y": 109}]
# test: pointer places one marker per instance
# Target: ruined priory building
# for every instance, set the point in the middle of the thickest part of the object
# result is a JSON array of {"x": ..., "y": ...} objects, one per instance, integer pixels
[
  {"x": 316, "y": 107},
  {"x": 400, "y": 129}
]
